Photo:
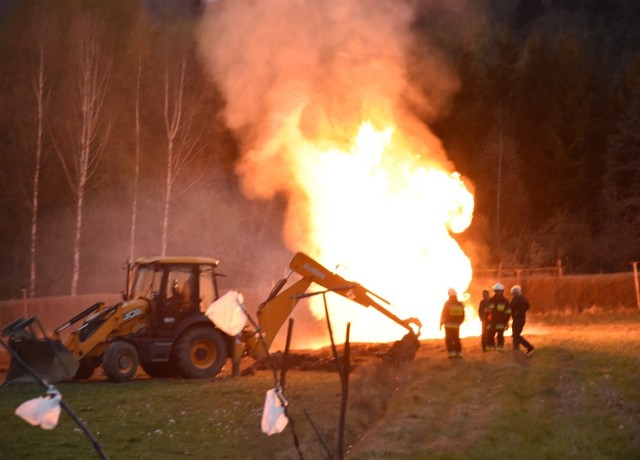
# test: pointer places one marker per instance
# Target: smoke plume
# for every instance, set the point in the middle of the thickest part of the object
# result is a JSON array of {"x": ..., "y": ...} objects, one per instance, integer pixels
[
  {"x": 329, "y": 101},
  {"x": 298, "y": 71}
]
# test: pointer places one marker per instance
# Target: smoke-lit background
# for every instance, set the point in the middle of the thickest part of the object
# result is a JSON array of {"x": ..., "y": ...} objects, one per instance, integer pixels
[
  {"x": 533, "y": 102},
  {"x": 236, "y": 198}
]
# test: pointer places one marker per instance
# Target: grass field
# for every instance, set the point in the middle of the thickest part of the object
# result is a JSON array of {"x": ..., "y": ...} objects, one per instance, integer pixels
[{"x": 575, "y": 397}]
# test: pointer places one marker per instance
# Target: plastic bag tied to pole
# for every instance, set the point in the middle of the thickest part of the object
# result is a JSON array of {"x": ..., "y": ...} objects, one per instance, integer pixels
[
  {"x": 228, "y": 313},
  {"x": 42, "y": 411},
  {"x": 274, "y": 420}
]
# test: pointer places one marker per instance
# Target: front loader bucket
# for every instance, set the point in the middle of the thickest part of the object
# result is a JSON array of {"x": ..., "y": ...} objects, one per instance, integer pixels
[{"x": 48, "y": 358}]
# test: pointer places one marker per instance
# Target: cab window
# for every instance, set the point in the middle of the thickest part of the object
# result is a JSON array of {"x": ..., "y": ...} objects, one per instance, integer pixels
[
  {"x": 178, "y": 285},
  {"x": 207, "y": 292}
]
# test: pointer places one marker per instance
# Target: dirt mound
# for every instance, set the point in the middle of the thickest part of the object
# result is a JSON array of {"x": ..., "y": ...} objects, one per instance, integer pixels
[{"x": 324, "y": 360}]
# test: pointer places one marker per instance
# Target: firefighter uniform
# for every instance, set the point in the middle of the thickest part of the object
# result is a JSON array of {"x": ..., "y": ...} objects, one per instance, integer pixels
[
  {"x": 519, "y": 307},
  {"x": 451, "y": 318},
  {"x": 482, "y": 314},
  {"x": 498, "y": 313}
]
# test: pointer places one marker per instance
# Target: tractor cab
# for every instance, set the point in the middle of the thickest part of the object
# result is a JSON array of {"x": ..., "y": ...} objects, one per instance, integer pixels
[{"x": 177, "y": 287}]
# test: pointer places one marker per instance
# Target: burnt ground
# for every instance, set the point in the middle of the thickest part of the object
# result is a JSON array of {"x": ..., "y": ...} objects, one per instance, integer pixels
[{"x": 360, "y": 354}]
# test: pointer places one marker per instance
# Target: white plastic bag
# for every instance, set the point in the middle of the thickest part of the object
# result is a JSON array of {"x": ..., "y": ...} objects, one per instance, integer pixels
[
  {"x": 228, "y": 313},
  {"x": 274, "y": 419},
  {"x": 43, "y": 411}
]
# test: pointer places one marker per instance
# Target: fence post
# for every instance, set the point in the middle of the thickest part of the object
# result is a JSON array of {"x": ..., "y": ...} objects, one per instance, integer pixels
[
  {"x": 24, "y": 303},
  {"x": 559, "y": 265},
  {"x": 635, "y": 280}
]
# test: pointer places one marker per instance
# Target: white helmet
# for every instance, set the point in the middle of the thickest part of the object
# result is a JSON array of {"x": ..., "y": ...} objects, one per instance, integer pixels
[
  {"x": 516, "y": 290},
  {"x": 452, "y": 292},
  {"x": 498, "y": 287}
]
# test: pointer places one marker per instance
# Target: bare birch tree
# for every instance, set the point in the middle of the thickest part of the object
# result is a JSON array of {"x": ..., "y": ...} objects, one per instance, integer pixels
[
  {"x": 39, "y": 29},
  {"x": 91, "y": 135},
  {"x": 39, "y": 91},
  {"x": 136, "y": 179},
  {"x": 182, "y": 144}
]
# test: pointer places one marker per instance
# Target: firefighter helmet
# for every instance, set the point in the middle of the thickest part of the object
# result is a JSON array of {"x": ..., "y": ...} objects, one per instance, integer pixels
[
  {"x": 498, "y": 287},
  {"x": 516, "y": 290}
]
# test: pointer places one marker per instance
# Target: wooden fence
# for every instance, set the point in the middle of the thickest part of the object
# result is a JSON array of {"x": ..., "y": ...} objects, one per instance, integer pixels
[
  {"x": 548, "y": 290},
  {"x": 568, "y": 293},
  {"x": 519, "y": 273}
]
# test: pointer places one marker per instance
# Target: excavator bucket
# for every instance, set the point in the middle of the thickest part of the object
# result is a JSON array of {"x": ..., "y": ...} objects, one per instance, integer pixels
[
  {"x": 48, "y": 358},
  {"x": 45, "y": 356}
]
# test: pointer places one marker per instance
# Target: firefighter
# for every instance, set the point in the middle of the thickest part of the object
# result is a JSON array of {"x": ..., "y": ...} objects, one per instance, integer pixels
[
  {"x": 482, "y": 314},
  {"x": 451, "y": 318},
  {"x": 519, "y": 308},
  {"x": 498, "y": 313}
]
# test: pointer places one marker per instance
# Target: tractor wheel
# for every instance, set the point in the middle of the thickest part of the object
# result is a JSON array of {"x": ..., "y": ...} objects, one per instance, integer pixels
[
  {"x": 120, "y": 361},
  {"x": 160, "y": 370},
  {"x": 86, "y": 368},
  {"x": 199, "y": 353}
]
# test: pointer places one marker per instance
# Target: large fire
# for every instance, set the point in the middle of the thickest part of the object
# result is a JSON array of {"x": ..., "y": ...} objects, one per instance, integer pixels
[
  {"x": 318, "y": 94},
  {"x": 383, "y": 215}
]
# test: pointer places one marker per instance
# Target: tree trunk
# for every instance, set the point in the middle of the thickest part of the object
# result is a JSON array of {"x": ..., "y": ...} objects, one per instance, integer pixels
[
  {"x": 76, "y": 244},
  {"x": 39, "y": 91},
  {"x": 167, "y": 198},
  {"x": 134, "y": 206},
  {"x": 91, "y": 140},
  {"x": 173, "y": 125}
]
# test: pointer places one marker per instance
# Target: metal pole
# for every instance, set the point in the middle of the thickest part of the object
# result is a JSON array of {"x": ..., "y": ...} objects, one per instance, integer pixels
[{"x": 635, "y": 280}]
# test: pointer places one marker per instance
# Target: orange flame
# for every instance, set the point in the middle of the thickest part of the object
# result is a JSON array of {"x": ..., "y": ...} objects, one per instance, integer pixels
[
  {"x": 385, "y": 214},
  {"x": 378, "y": 197}
]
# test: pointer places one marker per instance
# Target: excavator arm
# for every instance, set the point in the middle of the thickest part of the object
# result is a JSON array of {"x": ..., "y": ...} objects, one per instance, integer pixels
[{"x": 274, "y": 311}]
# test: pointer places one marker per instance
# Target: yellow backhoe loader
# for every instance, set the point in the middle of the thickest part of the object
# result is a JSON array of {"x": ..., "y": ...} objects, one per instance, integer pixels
[{"x": 161, "y": 324}]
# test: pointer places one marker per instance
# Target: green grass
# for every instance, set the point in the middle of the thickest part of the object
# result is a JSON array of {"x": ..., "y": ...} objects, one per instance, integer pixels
[
  {"x": 576, "y": 397},
  {"x": 151, "y": 419}
]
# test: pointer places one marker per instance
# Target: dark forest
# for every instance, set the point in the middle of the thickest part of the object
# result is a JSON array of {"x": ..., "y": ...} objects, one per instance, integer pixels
[{"x": 545, "y": 124}]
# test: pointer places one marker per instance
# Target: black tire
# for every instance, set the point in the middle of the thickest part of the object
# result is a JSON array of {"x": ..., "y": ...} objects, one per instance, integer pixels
[
  {"x": 199, "y": 353},
  {"x": 160, "y": 370},
  {"x": 120, "y": 361},
  {"x": 86, "y": 368}
]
